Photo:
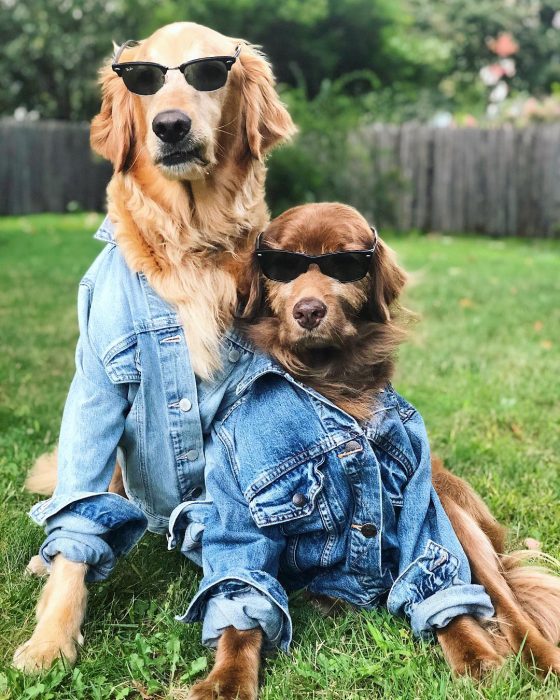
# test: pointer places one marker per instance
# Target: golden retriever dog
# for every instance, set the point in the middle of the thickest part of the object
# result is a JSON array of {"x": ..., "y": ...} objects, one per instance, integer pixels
[
  {"x": 338, "y": 349},
  {"x": 186, "y": 195}
]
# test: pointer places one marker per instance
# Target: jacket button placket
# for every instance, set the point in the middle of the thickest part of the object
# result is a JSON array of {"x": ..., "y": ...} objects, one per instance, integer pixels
[{"x": 184, "y": 417}]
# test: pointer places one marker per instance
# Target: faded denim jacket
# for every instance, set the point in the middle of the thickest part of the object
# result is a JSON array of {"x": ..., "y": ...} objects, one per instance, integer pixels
[
  {"x": 299, "y": 492},
  {"x": 134, "y": 394}
]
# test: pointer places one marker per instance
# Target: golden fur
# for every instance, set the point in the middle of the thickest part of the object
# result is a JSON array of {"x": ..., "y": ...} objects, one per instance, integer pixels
[
  {"x": 182, "y": 226},
  {"x": 350, "y": 355}
]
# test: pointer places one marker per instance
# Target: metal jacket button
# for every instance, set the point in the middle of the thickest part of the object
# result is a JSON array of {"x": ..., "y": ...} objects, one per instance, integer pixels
[
  {"x": 185, "y": 405},
  {"x": 192, "y": 455},
  {"x": 234, "y": 355},
  {"x": 299, "y": 500},
  {"x": 368, "y": 530}
]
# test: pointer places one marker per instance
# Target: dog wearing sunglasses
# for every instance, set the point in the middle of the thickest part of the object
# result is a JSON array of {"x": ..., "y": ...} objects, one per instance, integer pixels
[
  {"x": 187, "y": 118},
  {"x": 322, "y": 300}
]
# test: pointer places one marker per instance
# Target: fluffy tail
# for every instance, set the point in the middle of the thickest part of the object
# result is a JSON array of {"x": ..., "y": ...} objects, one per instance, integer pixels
[
  {"x": 536, "y": 589},
  {"x": 43, "y": 474}
]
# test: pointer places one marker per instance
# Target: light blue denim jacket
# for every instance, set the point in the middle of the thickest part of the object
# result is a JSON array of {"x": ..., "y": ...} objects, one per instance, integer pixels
[
  {"x": 134, "y": 393},
  {"x": 299, "y": 492}
]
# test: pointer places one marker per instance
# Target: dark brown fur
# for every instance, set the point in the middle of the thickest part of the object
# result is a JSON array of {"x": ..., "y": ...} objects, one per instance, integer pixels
[
  {"x": 356, "y": 359},
  {"x": 348, "y": 360},
  {"x": 235, "y": 675}
]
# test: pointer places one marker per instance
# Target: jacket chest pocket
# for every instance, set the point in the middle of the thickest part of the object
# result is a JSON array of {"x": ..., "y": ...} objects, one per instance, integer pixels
[
  {"x": 294, "y": 500},
  {"x": 122, "y": 362}
]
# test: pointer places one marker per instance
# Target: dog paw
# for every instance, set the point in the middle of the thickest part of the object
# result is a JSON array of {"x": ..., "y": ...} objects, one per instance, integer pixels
[
  {"x": 40, "y": 653},
  {"x": 213, "y": 689},
  {"x": 480, "y": 665},
  {"x": 36, "y": 567}
]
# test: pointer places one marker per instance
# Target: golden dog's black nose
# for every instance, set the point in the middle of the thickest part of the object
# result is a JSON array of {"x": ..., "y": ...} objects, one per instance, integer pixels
[
  {"x": 309, "y": 312},
  {"x": 171, "y": 126}
]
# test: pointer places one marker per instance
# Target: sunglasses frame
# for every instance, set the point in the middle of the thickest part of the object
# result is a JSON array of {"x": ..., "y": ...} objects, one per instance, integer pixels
[
  {"x": 228, "y": 61},
  {"x": 315, "y": 259}
]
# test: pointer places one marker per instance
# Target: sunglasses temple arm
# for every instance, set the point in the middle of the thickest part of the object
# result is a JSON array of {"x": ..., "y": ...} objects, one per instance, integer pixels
[
  {"x": 375, "y": 237},
  {"x": 128, "y": 44}
]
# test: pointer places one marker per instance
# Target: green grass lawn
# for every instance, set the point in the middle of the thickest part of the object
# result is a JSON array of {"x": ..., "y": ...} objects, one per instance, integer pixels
[{"x": 483, "y": 367}]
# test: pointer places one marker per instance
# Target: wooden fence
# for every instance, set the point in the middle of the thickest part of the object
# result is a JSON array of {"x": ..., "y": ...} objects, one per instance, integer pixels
[
  {"x": 48, "y": 166},
  {"x": 503, "y": 182}
]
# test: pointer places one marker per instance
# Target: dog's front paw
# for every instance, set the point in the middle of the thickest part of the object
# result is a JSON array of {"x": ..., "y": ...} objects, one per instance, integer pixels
[
  {"x": 42, "y": 650},
  {"x": 469, "y": 648},
  {"x": 480, "y": 665},
  {"x": 219, "y": 688},
  {"x": 36, "y": 567}
]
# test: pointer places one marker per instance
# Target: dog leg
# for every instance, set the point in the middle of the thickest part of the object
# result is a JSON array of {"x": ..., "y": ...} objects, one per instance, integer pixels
[
  {"x": 468, "y": 648},
  {"x": 235, "y": 675},
  {"x": 60, "y": 613},
  {"x": 520, "y": 630}
]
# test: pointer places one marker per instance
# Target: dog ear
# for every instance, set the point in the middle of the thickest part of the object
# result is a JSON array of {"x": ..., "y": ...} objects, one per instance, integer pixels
[
  {"x": 251, "y": 291},
  {"x": 265, "y": 120},
  {"x": 112, "y": 133},
  {"x": 387, "y": 281}
]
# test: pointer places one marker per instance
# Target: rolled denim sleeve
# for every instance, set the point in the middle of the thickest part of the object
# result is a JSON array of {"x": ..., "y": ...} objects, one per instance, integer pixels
[
  {"x": 240, "y": 562},
  {"x": 82, "y": 521},
  {"x": 434, "y": 583}
]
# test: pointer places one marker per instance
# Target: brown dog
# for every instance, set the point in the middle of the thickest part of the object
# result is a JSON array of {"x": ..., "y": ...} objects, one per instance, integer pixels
[
  {"x": 182, "y": 211},
  {"x": 347, "y": 357}
]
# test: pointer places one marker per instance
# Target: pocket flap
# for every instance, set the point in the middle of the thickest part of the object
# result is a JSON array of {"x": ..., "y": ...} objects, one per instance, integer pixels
[
  {"x": 122, "y": 362},
  {"x": 290, "y": 496}
]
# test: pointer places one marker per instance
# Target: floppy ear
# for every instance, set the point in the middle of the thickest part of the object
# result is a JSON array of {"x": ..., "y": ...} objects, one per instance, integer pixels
[
  {"x": 387, "y": 283},
  {"x": 265, "y": 120},
  {"x": 112, "y": 130},
  {"x": 251, "y": 292}
]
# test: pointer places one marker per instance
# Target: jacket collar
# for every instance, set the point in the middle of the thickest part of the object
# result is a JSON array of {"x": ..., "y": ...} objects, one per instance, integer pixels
[
  {"x": 262, "y": 364},
  {"x": 106, "y": 232}
]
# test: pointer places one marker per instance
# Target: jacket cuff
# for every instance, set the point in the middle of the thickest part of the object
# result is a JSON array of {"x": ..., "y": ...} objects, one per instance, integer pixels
[
  {"x": 430, "y": 593},
  {"x": 438, "y": 610},
  {"x": 84, "y": 549},
  {"x": 90, "y": 528},
  {"x": 244, "y": 600}
]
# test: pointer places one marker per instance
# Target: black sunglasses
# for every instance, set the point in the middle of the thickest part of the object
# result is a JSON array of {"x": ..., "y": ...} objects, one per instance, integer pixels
[
  {"x": 285, "y": 265},
  {"x": 146, "y": 78}
]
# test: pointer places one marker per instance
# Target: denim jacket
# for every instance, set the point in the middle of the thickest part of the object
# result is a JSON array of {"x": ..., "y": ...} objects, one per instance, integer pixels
[
  {"x": 134, "y": 394},
  {"x": 298, "y": 491}
]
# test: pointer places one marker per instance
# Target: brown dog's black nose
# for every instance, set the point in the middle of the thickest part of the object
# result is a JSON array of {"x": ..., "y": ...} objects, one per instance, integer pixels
[
  {"x": 309, "y": 312},
  {"x": 171, "y": 126}
]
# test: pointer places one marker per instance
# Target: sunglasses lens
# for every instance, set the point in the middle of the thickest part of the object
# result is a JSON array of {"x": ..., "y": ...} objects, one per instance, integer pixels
[
  {"x": 143, "y": 80},
  {"x": 281, "y": 266},
  {"x": 206, "y": 75},
  {"x": 345, "y": 267}
]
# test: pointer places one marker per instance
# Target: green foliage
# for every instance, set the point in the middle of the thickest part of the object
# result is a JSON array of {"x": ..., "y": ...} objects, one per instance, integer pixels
[
  {"x": 410, "y": 58},
  {"x": 322, "y": 161},
  {"x": 482, "y": 369},
  {"x": 51, "y": 52},
  {"x": 464, "y": 28}
]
